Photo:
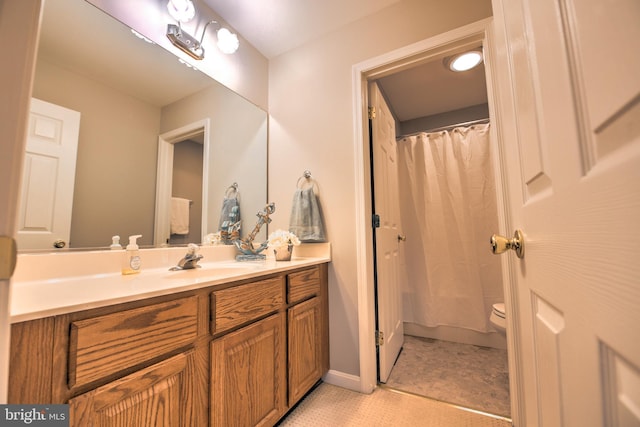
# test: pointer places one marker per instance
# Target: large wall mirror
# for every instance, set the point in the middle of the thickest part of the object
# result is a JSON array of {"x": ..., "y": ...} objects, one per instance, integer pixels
[{"x": 133, "y": 97}]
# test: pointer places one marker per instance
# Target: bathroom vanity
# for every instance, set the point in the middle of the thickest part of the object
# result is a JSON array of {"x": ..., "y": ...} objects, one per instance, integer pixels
[{"x": 227, "y": 344}]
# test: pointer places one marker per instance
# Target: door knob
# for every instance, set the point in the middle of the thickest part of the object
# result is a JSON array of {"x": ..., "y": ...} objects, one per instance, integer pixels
[
  {"x": 402, "y": 238},
  {"x": 59, "y": 244},
  {"x": 500, "y": 244}
]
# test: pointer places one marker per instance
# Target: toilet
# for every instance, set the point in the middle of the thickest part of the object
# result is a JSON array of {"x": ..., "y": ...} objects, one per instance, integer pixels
[{"x": 498, "y": 318}]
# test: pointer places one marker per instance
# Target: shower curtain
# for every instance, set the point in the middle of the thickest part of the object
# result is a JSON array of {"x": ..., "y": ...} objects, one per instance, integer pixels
[{"x": 448, "y": 212}]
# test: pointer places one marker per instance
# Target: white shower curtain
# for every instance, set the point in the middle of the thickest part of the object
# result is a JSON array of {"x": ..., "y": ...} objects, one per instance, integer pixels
[{"x": 448, "y": 212}]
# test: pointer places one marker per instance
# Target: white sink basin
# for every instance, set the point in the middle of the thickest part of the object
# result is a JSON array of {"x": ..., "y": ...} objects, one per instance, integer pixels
[{"x": 215, "y": 270}]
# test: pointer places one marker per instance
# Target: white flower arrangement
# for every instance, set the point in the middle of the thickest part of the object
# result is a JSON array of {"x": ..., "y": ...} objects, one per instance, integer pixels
[{"x": 283, "y": 238}]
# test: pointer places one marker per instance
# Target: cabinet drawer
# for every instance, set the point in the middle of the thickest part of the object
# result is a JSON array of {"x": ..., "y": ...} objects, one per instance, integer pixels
[
  {"x": 234, "y": 306},
  {"x": 103, "y": 345},
  {"x": 303, "y": 284}
]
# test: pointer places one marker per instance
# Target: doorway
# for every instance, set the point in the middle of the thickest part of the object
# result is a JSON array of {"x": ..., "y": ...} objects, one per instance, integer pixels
[
  {"x": 432, "y": 49},
  {"x": 186, "y": 191},
  {"x": 199, "y": 132},
  {"x": 447, "y": 280}
]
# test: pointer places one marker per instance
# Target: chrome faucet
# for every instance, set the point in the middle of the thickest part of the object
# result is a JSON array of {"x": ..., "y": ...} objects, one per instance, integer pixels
[{"x": 190, "y": 260}]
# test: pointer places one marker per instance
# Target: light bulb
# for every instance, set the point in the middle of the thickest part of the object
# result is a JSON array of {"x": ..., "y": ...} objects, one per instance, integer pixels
[
  {"x": 181, "y": 10},
  {"x": 227, "y": 41}
]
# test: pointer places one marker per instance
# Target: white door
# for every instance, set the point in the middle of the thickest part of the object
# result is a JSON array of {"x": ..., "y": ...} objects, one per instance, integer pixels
[
  {"x": 48, "y": 176},
  {"x": 386, "y": 206},
  {"x": 569, "y": 108}
]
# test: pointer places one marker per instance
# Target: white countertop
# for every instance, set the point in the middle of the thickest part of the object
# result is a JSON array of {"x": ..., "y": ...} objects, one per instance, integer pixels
[{"x": 36, "y": 295}]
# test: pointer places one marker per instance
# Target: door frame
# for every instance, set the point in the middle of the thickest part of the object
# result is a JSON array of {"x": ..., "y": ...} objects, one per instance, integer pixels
[
  {"x": 164, "y": 176},
  {"x": 19, "y": 33},
  {"x": 394, "y": 61}
]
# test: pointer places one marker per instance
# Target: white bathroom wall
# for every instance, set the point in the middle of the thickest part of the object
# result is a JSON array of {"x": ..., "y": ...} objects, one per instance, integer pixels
[{"x": 311, "y": 127}]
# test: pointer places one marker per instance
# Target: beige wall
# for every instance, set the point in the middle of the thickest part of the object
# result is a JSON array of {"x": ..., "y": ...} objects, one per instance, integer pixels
[
  {"x": 311, "y": 127},
  {"x": 425, "y": 124},
  {"x": 237, "y": 153},
  {"x": 117, "y": 156}
]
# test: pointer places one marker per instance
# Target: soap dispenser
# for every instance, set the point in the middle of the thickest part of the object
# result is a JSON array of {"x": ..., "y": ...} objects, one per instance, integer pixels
[
  {"x": 115, "y": 243},
  {"x": 131, "y": 263}
]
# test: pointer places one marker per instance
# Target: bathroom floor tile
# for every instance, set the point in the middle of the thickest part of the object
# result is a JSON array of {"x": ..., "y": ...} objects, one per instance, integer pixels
[{"x": 462, "y": 374}]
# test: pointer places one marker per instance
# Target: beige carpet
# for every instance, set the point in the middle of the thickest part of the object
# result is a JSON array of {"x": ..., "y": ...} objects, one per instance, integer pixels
[
  {"x": 331, "y": 406},
  {"x": 462, "y": 374}
]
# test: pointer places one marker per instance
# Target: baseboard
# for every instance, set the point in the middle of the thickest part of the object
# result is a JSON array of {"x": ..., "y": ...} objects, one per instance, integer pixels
[
  {"x": 341, "y": 379},
  {"x": 460, "y": 335}
]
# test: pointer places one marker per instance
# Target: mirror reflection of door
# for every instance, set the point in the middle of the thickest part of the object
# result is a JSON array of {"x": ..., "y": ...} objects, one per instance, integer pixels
[
  {"x": 187, "y": 186},
  {"x": 48, "y": 177}
]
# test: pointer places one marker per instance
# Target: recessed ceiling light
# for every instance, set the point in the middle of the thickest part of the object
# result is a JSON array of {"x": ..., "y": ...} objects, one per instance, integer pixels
[{"x": 465, "y": 61}]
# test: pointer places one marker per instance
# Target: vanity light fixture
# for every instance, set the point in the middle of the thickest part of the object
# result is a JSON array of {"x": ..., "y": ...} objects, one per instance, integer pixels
[
  {"x": 227, "y": 41},
  {"x": 464, "y": 61}
]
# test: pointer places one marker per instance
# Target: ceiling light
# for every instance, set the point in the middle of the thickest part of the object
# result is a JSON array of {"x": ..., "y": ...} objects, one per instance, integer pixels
[
  {"x": 465, "y": 61},
  {"x": 227, "y": 41},
  {"x": 181, "y": 10}
]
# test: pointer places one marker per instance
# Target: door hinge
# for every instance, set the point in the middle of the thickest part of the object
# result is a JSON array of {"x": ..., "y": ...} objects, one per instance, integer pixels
[
  {"x": 376, "y": 221},
  {"x": 372, "y": 113},
  {"x": 379, "y": 338}
]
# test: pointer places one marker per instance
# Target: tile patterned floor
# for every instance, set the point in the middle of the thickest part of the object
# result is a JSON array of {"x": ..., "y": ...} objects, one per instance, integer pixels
[{"x": 462, "y": 374}]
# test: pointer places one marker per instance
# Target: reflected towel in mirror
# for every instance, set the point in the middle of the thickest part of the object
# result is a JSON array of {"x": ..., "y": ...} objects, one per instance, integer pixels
[{"x": 180, "y": 215}]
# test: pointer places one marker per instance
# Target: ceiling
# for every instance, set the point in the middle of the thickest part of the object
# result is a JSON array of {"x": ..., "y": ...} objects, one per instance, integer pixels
[{"x": 277, "y": 26}]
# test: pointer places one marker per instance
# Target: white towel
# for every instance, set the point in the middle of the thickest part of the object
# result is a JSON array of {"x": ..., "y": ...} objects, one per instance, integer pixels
[{"x": 179, "y": 215}]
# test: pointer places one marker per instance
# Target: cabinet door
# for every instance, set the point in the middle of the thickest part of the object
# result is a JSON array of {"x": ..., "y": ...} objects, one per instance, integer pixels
[
  {"x": 248, "y": 375},
  {"x": 160, "y": 395},
  {"x": 305, "y": 341}
]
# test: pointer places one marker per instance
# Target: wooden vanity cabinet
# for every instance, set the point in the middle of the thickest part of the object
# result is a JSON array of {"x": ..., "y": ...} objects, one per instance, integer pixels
[
  {"x": 262, "y": 370},
  {"x": 159, "y": 395},
  {"x": 248, "y": 366},
  {"x": 237, "y": 354},
  {"x": 136, "y": 363},
  {"x": 248, "y": 375},
  {"x": 307, "y": 331}
]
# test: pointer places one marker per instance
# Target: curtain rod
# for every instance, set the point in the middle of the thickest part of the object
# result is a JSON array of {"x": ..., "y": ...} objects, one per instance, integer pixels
[{"x": 449, "y": 127}]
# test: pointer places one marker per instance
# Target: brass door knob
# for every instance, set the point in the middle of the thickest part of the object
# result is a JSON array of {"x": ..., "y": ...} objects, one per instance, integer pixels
[
  {"x": 59, "y": 244},
  {"x": 402, "y": 238},
  {"x": 500, "y": 244}
]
